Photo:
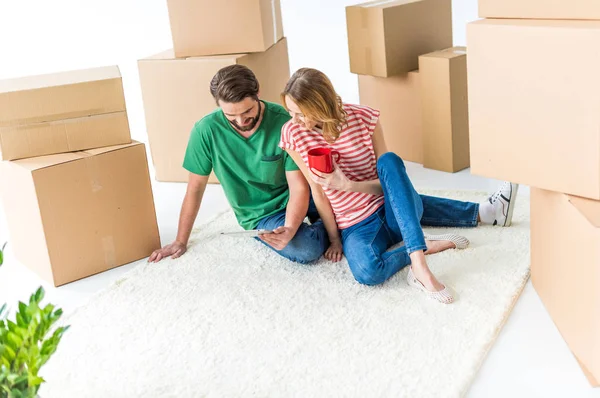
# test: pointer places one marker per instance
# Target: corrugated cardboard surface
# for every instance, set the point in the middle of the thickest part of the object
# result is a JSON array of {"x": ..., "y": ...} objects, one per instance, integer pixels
[
  {"x": 176, "y": 95},
  {"x": 95, "y": 210},
  {"x": 445, "y": 109},
  {"x": 385, "y": 38},
  {"x": 19, "y": 199},
  {"x": 540, "y": 9},
  {"x": 208, "y": 27},
  {"x": 64, "y": 135},
  {"x": 565, "y": 270},
  {"x": 65, "y": 95},
  {"x": 398, "y": 100},
  {"x": 534, "y": 90}
]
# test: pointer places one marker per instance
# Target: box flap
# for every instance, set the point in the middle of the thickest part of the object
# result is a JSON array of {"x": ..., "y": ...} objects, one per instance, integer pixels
[
  {"x": 541, "y": 23},
  {"x": 42, "y": 162},
  {"x": 99, "y": 151},
  {"x": 169, "y": 55},
  {"x": 448, "y": 53},
  {"x": 589, "y": 208},
  {"x": 384, "y": 3},
  {"x": 59, "y": 79}
]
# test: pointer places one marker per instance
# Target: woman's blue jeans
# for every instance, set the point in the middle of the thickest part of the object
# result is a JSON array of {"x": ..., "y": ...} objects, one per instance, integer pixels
[{"x": 400, "y": 219}]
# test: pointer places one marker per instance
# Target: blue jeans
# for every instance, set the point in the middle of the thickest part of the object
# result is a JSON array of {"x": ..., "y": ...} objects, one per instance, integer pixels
[
  {"x": 310, "y": 241},
  {"x": 400, "y": 219}
]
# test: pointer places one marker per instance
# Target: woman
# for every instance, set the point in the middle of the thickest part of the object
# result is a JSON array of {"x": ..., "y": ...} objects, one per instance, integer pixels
[{"x": 368, "y": 203}]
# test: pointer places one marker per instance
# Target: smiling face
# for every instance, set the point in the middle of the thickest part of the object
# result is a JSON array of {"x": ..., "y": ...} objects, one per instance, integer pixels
[
  {"x": 243, "y": 115},
  {"x": 297, "y": 116}
]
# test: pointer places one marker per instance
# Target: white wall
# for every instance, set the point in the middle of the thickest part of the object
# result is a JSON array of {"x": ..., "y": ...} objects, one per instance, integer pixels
[{"x": 43, "y": 36}]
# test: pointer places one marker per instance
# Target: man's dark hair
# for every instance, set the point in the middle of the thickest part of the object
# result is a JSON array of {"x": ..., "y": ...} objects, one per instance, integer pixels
[{"x": 234, "y": 83}]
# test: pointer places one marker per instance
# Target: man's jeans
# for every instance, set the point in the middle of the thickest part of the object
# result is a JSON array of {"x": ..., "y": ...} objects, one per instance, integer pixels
[
  {"x": 400, "y": 219},
  {"x": 309, "y": 243}
]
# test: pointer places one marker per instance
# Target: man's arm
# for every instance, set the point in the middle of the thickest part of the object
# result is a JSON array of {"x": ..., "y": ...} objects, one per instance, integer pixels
[
  {"x": 295, "y": 211},
  {"x": 189, "y": 212}
]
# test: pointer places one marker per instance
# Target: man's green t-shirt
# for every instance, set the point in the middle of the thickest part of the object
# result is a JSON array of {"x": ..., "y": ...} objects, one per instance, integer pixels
[{"x": 250, "y": 170}]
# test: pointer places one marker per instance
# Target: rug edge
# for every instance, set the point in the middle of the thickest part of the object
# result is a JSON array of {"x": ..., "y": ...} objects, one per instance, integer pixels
[{"x": 486, "y": 350}]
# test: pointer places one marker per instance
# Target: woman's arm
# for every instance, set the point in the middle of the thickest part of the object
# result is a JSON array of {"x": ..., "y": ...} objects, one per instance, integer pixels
[
  {"x": 334, "y": 253},
  {"x": 337, "y": 179},
  {"x": 321, "y": 201}
]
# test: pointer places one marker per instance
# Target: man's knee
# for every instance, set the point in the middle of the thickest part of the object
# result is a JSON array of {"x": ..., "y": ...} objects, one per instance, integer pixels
[
  {"x": 308, "y": 245},
  {"x": 305, "y": 253}
]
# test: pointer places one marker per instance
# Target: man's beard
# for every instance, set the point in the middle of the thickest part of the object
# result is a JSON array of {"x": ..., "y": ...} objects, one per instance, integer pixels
[{"x": 251, "y": 125}]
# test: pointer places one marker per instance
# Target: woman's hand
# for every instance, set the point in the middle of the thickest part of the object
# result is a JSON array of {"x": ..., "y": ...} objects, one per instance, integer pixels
[
  {"x": 334, "y": 180},
  {"x": 335, "y": 251}
]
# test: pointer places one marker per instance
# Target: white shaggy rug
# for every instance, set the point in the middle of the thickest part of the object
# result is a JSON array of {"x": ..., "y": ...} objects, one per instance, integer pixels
[{"x": 232, "y": 319}]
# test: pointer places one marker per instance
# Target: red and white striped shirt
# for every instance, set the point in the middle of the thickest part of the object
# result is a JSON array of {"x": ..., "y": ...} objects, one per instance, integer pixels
[{"x": 357, "y": 160}]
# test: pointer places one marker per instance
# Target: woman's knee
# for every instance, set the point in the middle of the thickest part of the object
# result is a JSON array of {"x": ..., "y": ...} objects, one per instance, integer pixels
[
  {"x": 369, "y": 275},
  {"x": 389, "y": 158}
]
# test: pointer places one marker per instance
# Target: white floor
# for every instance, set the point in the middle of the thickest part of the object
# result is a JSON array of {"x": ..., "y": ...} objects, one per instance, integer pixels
[{"x": 529, "y": 358}]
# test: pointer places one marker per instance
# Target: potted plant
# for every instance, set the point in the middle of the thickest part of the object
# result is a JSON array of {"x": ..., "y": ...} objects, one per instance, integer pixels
[{"x": 24, "y": 345}]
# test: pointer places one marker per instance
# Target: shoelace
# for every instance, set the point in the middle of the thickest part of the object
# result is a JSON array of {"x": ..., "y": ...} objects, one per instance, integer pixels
[{"x": 494, "y": 198}]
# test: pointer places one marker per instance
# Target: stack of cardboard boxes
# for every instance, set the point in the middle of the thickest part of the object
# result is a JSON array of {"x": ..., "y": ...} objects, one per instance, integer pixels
[
  {"x": 534, "y": 91},
  {"x": 76, "y": 189},
  {"x": 207, "y": 36},
  {"x": 408, "y": 70}
]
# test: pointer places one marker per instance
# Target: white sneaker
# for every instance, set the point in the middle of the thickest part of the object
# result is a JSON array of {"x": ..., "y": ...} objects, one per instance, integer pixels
[{"x": 498, "y": 208}]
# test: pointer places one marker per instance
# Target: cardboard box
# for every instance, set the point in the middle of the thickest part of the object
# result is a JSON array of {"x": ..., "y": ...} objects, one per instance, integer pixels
[
  {"x": 76, "y": 214},
  {"x": 176, "y": 95},
  {"x": 565, "y": 270},
  {"x": 62, "y": 112},
  {"x": 398, "y": 100},
  {"x": 445, "y": 110},
  {"x": 534, "y": 90},
  {"x": 209, "y": 27},
  {"x": 64, "y": 136},
  {"x": 385, "y": 38},
  {"x": 540, "y": 9}
]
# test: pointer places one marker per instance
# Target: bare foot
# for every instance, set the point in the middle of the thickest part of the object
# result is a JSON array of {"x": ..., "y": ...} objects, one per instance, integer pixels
[{"x": 436, "y": 246}]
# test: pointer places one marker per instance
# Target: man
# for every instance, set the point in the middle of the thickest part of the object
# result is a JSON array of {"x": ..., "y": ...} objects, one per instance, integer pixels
[{"x": 263, "y": 185}]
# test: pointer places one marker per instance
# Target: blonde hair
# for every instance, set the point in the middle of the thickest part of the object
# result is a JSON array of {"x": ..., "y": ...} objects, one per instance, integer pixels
[{"x": 314, "y": 94}]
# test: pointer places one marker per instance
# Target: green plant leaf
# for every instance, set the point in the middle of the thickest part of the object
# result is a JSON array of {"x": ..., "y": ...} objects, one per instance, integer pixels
[
  {"x": 9, "y": 353},
  {"x": 2, "y": 309},
  {"x": 35, "y": 381},
  {"x": 39, "y": 294},
  {"x": 12, "y": 326},
  {"x": 20, "y": 322},
  {"x": 14, "y": 393},
  {"x": 18, "y": 341},
  {"x": 21, "y": 379},
  {"x": 22, "y": 308}
]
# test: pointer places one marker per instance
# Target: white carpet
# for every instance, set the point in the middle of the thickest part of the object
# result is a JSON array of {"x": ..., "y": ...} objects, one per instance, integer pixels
[{"x": 232, "y": 319}]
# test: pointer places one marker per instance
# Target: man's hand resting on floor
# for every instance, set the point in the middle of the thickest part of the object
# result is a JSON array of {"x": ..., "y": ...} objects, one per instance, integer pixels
[{"x": 175, "y": 250}]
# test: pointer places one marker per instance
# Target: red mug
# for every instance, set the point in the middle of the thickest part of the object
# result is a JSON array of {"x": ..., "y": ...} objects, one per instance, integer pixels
[{"x": 322, "y": 159}]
